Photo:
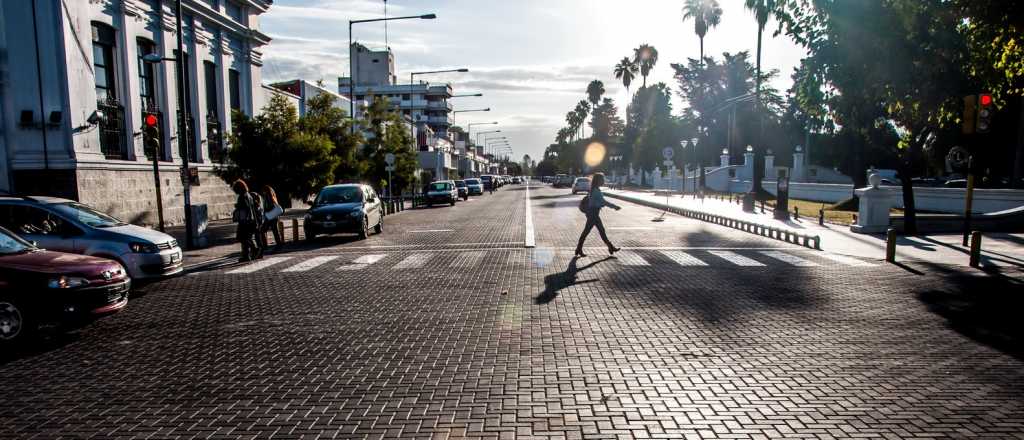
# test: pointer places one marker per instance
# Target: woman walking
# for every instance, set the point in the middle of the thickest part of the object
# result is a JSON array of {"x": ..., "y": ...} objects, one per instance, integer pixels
[
  {"x": 596, "y": 201},
  {"x": 271, "y": 218},
  {"x": 245, "y": 215}
]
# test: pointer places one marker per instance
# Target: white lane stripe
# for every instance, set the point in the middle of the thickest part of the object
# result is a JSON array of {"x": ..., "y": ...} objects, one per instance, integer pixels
[
  {"x": 849, "y": 261},
  {"x": 430, "y": 230},
  {"x": 413, "y": 261},
  {"x": 530, "y": 240},
  {"x": 735, "y": 258},
  {"x": 310, "y": 263},
  {"x": 683, "y": 259},
  {"x": 791, "y": 259},
  {"x": 467, "y": 259},
  {"x": 362, "y": 262},
  {"x": 631, "y": 259},
  {"x": 264, "y": 263}
]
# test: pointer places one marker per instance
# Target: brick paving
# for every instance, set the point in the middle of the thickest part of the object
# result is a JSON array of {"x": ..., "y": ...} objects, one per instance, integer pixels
[{"x": 477, "y": 337}]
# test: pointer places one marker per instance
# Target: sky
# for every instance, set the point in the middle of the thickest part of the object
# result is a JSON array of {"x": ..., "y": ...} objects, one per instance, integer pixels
[{"x": 531, "y": 59}]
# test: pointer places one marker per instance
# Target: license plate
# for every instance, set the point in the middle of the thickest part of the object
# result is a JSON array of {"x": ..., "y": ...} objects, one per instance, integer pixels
[
  {"x": 175, "y": 258},
  {"x": 328, "y": 224}
]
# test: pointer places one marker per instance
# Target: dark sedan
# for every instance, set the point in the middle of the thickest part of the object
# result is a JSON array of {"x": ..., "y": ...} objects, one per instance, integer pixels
[
  {"x": 45, "y": 288},
  {"x": 351, "y": 208}
]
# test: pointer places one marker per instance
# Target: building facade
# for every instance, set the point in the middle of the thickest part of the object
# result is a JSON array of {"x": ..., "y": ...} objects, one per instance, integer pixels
[
  {"x": 75, "y": 91},
  {"x": 306, "y": 90}
]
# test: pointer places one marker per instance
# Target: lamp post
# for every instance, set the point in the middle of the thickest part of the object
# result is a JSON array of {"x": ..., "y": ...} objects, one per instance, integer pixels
[
  {"x": 469, "y": 128},
  {"x": 484, "y": 132},
  {"x": 351, "y": 59},
  {"x": 474, "y": 110},
  {"x": 412, "y": 124}
]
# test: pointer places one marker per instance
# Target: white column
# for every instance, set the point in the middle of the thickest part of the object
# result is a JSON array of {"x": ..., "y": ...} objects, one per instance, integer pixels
[
  {"x": 798, "y": 167},
  {"x": 725, "y": 160},
  {"x": 748, "y": 165},
  {"x": 769, "y": 166}
]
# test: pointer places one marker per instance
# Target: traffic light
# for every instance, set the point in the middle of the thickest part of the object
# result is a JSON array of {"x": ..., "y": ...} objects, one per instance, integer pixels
[
  {"x": 970, "y": 114},
  {"x": 985, "y": 113},
  {"x": 151, "y": 130}
]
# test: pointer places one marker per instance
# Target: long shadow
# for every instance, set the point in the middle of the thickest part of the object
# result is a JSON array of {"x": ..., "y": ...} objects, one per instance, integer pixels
[
  {"x": 557, "y": 281},
  {"x": 38, "y": 344},
  {"x": 560, "y": 196}
]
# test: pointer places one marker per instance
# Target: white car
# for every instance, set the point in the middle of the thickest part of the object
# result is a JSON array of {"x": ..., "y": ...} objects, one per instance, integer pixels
[{"x": 582, "y": 184}]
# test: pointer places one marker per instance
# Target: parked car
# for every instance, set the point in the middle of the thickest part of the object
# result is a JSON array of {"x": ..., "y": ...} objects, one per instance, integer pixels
[
  {"x": 489, "y": 182},
  {"x": 40, "y": 287},
  {"x": 443, "y": 191},
  {"x": 582, "y": 184},
  {"x": 474, "y": 187},
  {"x": 68, "y": 226},
  {"x": 460, "y": 186},
  {"x": 346, "y": 208},
  {"x": 517, "y": 180}
]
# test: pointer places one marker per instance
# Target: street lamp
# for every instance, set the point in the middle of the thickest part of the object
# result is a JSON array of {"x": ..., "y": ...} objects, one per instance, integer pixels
[
  {"x": 351, "y": 59},
  {"x": 474, "y": 110},
  {"x": 469, "y": 128},
  {"x": 412, "y": 124},
  {"x": 484, "y": 132},
  {"x": 468, "y": 95}
]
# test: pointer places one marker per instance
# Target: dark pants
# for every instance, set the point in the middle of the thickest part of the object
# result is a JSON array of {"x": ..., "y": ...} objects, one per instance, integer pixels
[
  {"x": 246, "y": 233},
  {"x": 271, "y": 225},
  {"x": 593, "y": 219}
]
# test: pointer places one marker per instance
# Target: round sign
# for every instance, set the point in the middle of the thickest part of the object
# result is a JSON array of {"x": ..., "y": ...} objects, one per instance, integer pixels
[
  {"x": 668, "y": 152},
  {"x": 958, "y": 157},
  {"x": 389, "y": 158}
]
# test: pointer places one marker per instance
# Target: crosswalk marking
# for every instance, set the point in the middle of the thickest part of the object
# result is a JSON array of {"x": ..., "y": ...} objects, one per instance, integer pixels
[
  {"x": 413, "y": 261},
  {"x": 735, "y": 258},
  {"x": 631, "y": 259},
  {"x": 467, "y": 259},
  {"x": 849, "y": 261},
  {"x": 683, "y": 259},
  {"x": 362, "y": 262},
  {"x": 310, "y": 263},
  {"x": 791, "y": 259},
  {"x": 261, "y": 264}
]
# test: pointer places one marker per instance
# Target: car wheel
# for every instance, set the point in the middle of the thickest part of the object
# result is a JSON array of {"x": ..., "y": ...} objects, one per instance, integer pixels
[
  {"x": 365, "y": 231},
  {"x": 310, "y": 236},
  {"x": 15, "y": 324},
  {"x": 379, "y": 229},
  {"x": 451, "y": 203}
]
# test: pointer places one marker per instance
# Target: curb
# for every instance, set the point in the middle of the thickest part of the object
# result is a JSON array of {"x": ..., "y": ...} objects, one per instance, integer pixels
[{"x": 781, "y": 234}]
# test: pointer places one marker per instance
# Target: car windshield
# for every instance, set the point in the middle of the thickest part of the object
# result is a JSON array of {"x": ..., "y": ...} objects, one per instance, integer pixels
[
  {"x": 87, "y": 215},
  {"x": 12, "y": 244},
  {"x": 339, "y": 194},
  {"x": 439, "y": 186},
  {"x": 473, "y": 182},
  {"x": 460, "y": 183}
]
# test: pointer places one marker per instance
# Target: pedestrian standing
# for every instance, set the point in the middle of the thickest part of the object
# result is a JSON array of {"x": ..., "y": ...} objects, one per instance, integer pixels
[
  {"x": 592, "y": 208},
  {"x": 271, "y": 218},
  {"x": 245, "y": 216}
]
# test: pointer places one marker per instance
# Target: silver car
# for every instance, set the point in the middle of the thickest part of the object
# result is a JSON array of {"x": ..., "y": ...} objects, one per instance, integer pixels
[{"x": 68, "y": 226}]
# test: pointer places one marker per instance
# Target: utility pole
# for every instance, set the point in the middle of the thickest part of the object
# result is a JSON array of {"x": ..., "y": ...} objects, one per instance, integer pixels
[{"x": 183, "y": 129}]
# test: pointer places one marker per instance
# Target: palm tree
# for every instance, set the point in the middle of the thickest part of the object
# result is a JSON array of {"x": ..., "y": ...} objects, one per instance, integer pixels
[
  {"x": 645, "y": 56},
  {"x": 626, "y": 71},
  {"x": 594, "y": 91},
  {"x": 706, "y": 14},
  {"x": 582, "y": 111},
  {"x": 761, "y": 9}
]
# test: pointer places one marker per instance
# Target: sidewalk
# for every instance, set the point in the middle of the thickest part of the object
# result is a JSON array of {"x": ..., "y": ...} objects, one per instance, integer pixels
[
  {"x": 999, "y": 250},
  {"x": 221, "y": 243}
]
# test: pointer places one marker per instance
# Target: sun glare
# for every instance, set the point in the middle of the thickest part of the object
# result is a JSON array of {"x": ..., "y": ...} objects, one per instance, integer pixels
[{"x": 594, "y": 154}]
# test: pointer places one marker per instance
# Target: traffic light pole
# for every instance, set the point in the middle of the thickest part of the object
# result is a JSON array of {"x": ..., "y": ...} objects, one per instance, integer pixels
[
  {"x": 969, "y": 199},
  {"x": 156, "y": 181},
  {"x": 183, "y": 129}
]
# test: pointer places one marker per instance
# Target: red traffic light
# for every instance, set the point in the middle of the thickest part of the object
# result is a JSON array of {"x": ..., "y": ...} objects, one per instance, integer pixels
[
  {"x": 151, "y": 120},
  {"x": 985, "y": 99}
]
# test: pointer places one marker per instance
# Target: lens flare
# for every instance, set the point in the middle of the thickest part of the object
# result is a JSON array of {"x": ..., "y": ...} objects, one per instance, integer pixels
[{"x": 594, "y": 154}]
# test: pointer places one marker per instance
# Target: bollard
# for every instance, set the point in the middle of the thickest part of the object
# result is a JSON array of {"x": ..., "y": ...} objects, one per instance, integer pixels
[
  {"x": 796, "y": 213},
  {"x": 817, "y": 242},
  {"x": 762, "y": 207},
  {"x": 295, "y": 229},
  {"x": 890, "y": 245},
  {"x": 975, "y": 248},
  {"x": 854, "y": 218},
  {"x": 821, "y": 217},
  {"x": 280, "y": 232}
]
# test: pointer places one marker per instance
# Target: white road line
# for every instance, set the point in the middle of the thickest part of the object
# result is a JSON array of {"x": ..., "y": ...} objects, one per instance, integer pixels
[
  {"x": 264, "y": 263},
  {"x": 310, "y": 263},
  {"x": 530, "y": 241},
  {"x": 413, "y": 261},
  {"x": 362, "y": 262},
  {"x": 849, "y": 261},
  {"x": 683, "y": 259},
  {"x": 791, "y": 259},
  {"x": 467, "y": 259},
  {"x": 430, "y": 230},
  {"x": 631, "y": 259},
  {"x": 736, "y": 259}
]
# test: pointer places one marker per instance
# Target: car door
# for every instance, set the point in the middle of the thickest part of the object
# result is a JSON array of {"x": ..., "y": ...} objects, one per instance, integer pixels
[
  {"x": 48, "y": 230},
  {"x": 372, "y": 205}
]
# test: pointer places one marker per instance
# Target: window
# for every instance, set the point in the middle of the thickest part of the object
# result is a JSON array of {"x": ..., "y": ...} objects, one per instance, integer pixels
[
  {"x": 190, "y": 127},
  {"x": 233, "y": 84},
  {"x": 148, "y": 97},
  {"x": 111, "y": 126},
  {"x": 213, "y": 130},
  {"x": 405, "y": 96},
  {"x": 234, "y": 11}
]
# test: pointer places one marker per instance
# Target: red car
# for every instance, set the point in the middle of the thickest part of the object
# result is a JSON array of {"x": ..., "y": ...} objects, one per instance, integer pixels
[{"x": 40, "y": 287}]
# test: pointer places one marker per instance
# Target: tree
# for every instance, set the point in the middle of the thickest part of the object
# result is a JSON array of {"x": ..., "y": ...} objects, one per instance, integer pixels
[
  {"x": 645, "y": 57},
  {"x": 323, "y": 118},
  {"x": 705, "y": 14},
  {"x": 594, "y": 91},
  {"x": 270, "y": 149},
  {"x": 626, "y": 70},
  {"x": 606, "y": 123},
  {"x": 388, "y": 134},
  {"x": 762, "y": 9},
  {"x": 580, "y": 114}
]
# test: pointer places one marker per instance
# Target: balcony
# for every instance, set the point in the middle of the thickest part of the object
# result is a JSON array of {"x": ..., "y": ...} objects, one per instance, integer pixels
[
  {"x": 440, "y": 120},
  {"x": 440, "y": 105}
]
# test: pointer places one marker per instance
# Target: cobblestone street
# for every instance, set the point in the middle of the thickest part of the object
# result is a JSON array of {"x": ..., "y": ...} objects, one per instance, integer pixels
[{"x": 447, "y": 326}]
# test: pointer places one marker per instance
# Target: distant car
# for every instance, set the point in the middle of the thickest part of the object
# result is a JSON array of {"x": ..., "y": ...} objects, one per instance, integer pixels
[
  {"x": 443, "y": 191},
  {"x": 460, "y": 186},
  {"x": 582, "y": 184},
  {"x": 517, "y": 180},
  {"x": 490, "y": 182},
  {"x": 474, "y": 187},
  {"x": 39, "y": 287},
  {"x": 68, "y": 226},
  {"x": 347, "y": 208},
  {"x": 564, "y": 181}
]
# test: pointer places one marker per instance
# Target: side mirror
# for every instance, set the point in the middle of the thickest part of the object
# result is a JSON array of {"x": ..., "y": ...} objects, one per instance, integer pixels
[{"x": 33, "y": 243}]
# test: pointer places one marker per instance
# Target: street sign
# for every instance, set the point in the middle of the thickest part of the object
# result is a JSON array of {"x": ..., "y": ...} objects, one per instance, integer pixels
[
  {"x": 668, "y": 152},
  {"x": 389, "y": 158},
  {"x": 667, "y": 163},
  {"x": 389, "y": 168},
  {"x": 957, "y": 158}
]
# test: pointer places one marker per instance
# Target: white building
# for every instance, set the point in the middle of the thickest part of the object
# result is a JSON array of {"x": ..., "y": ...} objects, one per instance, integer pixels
[
  {"x": 74, "y": 91},
  {"x": 306, "y": 90}
]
